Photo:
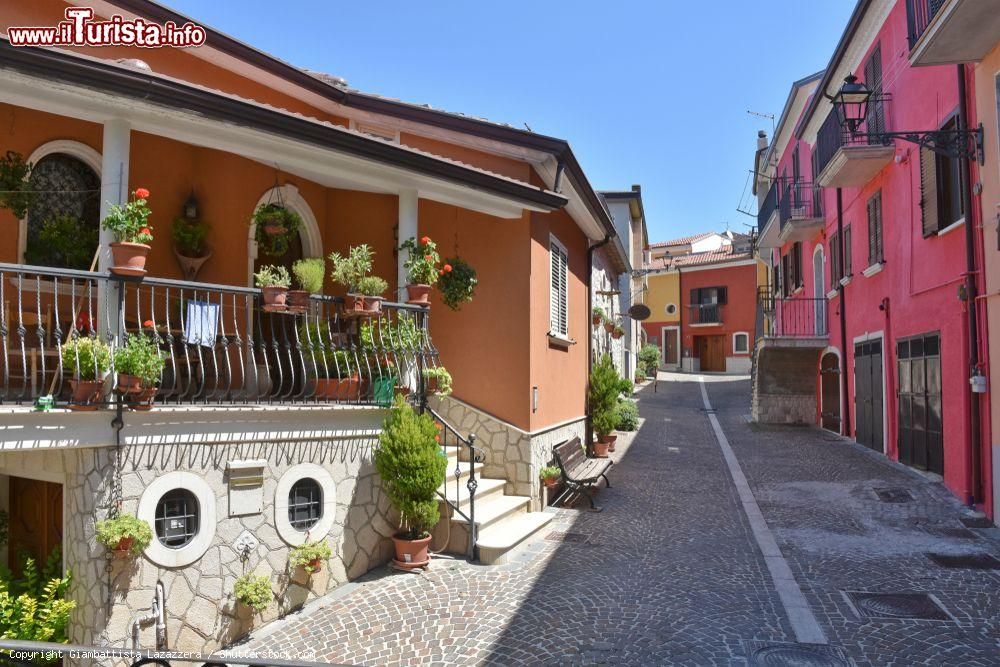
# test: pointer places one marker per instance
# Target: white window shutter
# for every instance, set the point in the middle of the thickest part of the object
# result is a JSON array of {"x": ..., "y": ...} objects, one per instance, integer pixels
[{"x": 558, "y": 293}]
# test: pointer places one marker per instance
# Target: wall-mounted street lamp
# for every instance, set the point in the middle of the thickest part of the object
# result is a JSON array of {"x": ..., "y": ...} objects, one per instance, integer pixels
[{"x": 851, "y": 106}]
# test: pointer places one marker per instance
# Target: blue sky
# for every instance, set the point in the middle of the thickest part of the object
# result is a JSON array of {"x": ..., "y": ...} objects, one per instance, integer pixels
[{"x": 653, "y": 92}]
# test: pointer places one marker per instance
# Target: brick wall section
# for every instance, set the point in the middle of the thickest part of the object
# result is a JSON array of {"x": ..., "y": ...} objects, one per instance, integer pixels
[{"x": 784, "y": 388}]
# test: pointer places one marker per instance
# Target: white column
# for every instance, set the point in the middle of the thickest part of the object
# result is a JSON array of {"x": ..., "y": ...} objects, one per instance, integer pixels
[
  {"x": 407, "y": 229},
  {"x": 114, "y": 190}
]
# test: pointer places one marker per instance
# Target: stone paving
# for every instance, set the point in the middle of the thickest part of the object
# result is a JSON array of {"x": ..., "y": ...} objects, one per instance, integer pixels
[{"x": 669, "y": 573}]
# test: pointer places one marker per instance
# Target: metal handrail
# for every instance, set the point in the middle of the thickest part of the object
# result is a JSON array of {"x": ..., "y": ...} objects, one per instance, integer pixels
[{"x": 475, "y": 455}]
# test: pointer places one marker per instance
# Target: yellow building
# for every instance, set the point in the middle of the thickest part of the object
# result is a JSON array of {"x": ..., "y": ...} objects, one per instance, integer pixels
[{"x": 663, "y": 296}]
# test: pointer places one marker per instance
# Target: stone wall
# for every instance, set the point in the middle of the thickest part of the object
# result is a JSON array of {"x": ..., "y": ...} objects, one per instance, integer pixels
[
  {"x": 784, "y": 388},
  {"x": 511, "y": 453},
  {"x": 202, "y": 613}
]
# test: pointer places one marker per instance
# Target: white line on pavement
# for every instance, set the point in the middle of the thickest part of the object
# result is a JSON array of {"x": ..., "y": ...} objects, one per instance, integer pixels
[{"x": 803, "y": 621}]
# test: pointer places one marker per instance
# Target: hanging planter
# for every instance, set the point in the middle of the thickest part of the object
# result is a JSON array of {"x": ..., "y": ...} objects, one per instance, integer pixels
[
  {"x": 457, "y": 282},
  {"x": 598, "y": 316},
  {"x": 129, "y": 223},
  {"x": 189, "y": 245},
  {"x": 274, "y": 226},
  {"x": 87, "y": 360},
  {"x": 126, "y": 535}
]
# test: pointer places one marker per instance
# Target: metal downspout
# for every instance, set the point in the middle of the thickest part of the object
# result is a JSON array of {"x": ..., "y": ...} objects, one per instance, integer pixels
[
  {"x": 971, "y": 303},
  {"x": 845, "y": 426}
]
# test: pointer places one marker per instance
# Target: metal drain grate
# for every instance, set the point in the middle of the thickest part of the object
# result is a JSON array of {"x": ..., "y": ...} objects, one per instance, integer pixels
[
  {"x": 566, "y": 536},
  {"x": 952, "y": 532},
  {"x": 763, "y": 654},
  {"x": 915, "y": 606},
  {"x": 966, "y": 561},
  {"x": 894, "y": 495},
  {"x": 976, "y": 522}
]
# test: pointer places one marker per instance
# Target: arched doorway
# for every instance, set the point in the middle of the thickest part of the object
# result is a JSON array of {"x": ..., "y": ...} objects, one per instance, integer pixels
[
  {"x": 830, "y": 407},
  {"x": 308, "y": 242},
  {"x": 62, "y": 226}
]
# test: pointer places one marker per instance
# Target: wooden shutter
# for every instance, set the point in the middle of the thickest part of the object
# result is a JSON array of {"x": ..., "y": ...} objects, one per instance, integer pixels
[
  {"x": 879, "y": 236},
  {"x": 835, "y": 273},
  {"x": 721, "y": 294},
  {"x": 695, "y": 296},
  {"x": 797, "y": 265},
  {"x": 784, "y": 275},
  {"x": 875, "y": 229},
  {"x": 930, "y": 221},
  {"x": 873, "y": 79},
  {"x": 558, "y": 294}
]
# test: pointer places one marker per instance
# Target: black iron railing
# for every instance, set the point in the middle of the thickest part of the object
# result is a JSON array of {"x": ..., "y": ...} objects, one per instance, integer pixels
[
  {"x": 705, "y": 313},
  {"x": 220, "y": 345},
  {"x": 768, "y": 206},
  {"x": 919, "y": 14},
  {"x": 793, "y": 317},
  {"x": 32, "y": 653},
  {"x": 799, "y": 201},
  {"x": 462, "y": 502},
  {"x": 831, "y": 136}
]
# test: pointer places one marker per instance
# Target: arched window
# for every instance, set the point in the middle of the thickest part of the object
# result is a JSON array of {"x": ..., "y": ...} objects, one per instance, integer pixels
[
  {"x": 305, "y": 504},
  {"x": 64, "y": 220},
  {"x": 176, "y": 518}
]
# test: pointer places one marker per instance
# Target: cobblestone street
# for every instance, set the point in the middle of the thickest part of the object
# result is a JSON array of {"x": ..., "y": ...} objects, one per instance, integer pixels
[{"x": 675, "y": 570}]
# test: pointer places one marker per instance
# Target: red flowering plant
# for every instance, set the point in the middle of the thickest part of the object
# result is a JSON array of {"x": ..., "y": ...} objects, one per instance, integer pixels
[
  {"x": 421, "y": 260},
  {"x": 130, "y": 222}
]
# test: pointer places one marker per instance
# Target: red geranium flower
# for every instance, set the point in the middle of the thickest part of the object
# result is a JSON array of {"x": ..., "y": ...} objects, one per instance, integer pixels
[
  {"x": 437, "y": 438},
  {"x": 428, "y": 258},
  {"x": 447, "y": 268},
  {"x": 141, "y": 193},
  {"x": 425, "y": 240},
  {"x": 441, "y": 272},
  {"x": 145, "y": 230},
  {"x": 148, "y": 323}
]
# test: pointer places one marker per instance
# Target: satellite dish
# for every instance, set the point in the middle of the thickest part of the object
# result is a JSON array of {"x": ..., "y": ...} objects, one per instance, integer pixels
[{"x": 639, "y": 311}]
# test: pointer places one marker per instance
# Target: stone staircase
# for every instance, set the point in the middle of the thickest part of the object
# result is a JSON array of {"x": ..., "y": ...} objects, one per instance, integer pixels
[{"x": 503, "y": 522}]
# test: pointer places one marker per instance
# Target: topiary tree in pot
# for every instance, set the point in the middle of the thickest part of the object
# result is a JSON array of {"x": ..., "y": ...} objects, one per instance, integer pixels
[
  {"x": 412, "y": 467},
  {"x": 602, "y": 398}
]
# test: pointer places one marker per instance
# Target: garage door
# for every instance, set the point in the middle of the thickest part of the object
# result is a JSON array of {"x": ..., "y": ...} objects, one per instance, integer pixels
[
  {"x": 868, "y": 403},
  {"x": 921, "y": 443}
]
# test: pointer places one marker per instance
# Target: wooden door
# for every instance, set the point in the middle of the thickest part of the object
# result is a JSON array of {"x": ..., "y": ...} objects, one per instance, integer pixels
[
  {"x": 830, "y": 385},
  {"x": 671, "y": 347},
  {"x": 35, "y": 520},
  {"x": 712, "y": 353},
  {"x": 868, "y": 394},
  {"x": 921, "y": 429}
]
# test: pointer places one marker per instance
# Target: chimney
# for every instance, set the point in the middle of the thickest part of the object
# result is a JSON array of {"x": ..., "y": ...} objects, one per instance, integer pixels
[
  {"x": 761, "y": 140},
  {"x": 636, "y": 188}
]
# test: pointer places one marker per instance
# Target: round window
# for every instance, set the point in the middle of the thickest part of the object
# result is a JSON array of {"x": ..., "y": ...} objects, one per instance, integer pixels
[
  {"x": 176, "y": 518},
  {"x": 305, "y": 504},
  {"x": 671, "y": 309}
]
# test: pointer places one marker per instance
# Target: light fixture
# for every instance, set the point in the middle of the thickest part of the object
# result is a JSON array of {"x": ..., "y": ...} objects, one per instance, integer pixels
[
  {"x": 191, "y": 207},
  {"x": 851, "y": 103}
]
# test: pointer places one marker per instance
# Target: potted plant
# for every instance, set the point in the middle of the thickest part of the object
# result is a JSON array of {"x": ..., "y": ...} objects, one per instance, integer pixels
[
  {"x": 273, "y": 228},
  {"x": 189, "y": 245},
  {"x": 254, "y": 591},
  {"x": 352, "y": 271},
  {"x": 412, "y": 467},
  {"x": 16, "y": 194},
  {"x": 456, "y": 281},
  {"x": 602, "y": 398},
  {"x": 87, "y": 359},
  {"x": 437, "y": 381},
  {"x": 64, "y": 241},
  {"x": 338, "y": 380},
  {"x": 598, "y": 316},
  {"x": 139, "y": 364},
  {"x": 309, "y": 274},
  {"x": 421, "y": 269},
  {"x": 310, "y": 556},
  {"x": 129, "y": 223},
  {"x": 609, "y": 325},
  {"x": 549, "y": 476},
  {"x": 124, "y": 534},
  {"x": 273, "y": 281},
  {"x": 617, "y": 332}
]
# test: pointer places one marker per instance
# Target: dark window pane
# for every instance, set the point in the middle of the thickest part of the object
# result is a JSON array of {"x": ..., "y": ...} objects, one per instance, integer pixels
[
  {"x": 932, "y": 346},
  {"x": 305, "y": 504},
  {"x": 176, "y": 520}
]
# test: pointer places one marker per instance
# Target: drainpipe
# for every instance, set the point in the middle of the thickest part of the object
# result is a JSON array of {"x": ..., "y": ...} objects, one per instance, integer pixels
[
  {"x": 157, "y": 612},
  {"x": 557, "y": 182},
  {"x": 970, "y": 286},
  {"x": 589, "y": 428},
  {"x": 845, "y": 424}
]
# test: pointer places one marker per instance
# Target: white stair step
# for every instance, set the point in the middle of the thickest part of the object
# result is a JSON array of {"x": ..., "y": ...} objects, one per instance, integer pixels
[
  {"x": 496, "y": 509},
  {"x": 463, "y": 467},
  {"x": 497, "y": 540},
  {"x": 485, "y": 488}
]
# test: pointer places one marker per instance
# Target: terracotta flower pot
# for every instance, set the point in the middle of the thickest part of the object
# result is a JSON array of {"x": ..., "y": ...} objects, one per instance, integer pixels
[
  {"x": 129, "y": 384},
  {"x": 298, "y": 300},
  {"x": 315, "y": 565},
  {"x": 338, "y": 389},
  {"x": 124, "y": 547},
  {"x": 373, "y": 305},
  {"x": 596, "y": 319},
  {"x": 274, "y": 228},
  {"x": 617, "y": 334},
  {"x": 609, "y": 327},
  {"x": 611, "y": 440},
  {"x": 601, "y": 449},
  {"x": 274, "y": 297},
  {"x": 418, "y": 295},
  {"x": 86, "y": 394},
  {"x": 144, "y": 399},
  {"x": 412, "y": 553},
  {"x": 129, "y": 259},
  {"x": 550, "y": 482}
]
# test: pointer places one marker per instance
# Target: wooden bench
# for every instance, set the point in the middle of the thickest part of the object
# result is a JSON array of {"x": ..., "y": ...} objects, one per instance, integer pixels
[{"x": 580, "y": 473}]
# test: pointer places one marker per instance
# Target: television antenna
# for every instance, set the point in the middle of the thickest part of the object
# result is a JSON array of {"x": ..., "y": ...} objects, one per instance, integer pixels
[{"x": 759, "y": 114}]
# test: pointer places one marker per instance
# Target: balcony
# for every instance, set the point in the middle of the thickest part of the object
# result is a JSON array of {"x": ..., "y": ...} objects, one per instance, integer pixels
[
  {"x": 221, "y": 346},
  {"x": 846, "y": 160},
  {"x": 800, "y": 214},
  {"x": 794, "y": 321},
  {"x": 943, "y": 32},
  {"x": 705, "y": 314},
  {"x": 766, "y": 213}
]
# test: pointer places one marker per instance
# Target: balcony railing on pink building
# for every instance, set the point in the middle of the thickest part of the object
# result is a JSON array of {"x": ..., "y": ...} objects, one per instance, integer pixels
[
  {"x": 792, "y": 317},
  {"x": 919, "y": 14},
  {"x": 220, "y": 345}
]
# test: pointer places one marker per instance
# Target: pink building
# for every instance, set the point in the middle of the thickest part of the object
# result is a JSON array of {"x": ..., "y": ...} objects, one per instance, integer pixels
[{"x": 874, "y": 245}]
